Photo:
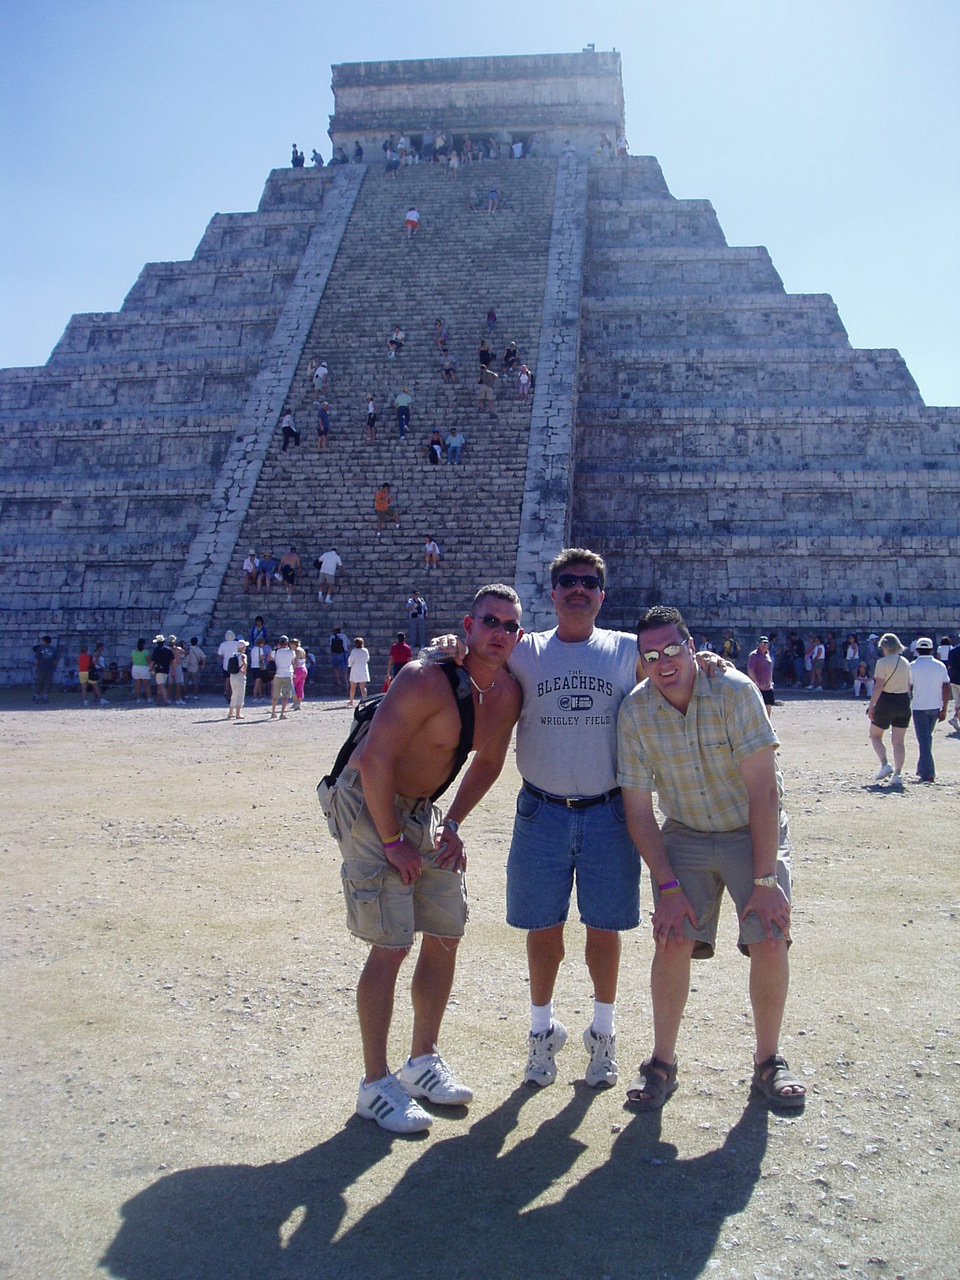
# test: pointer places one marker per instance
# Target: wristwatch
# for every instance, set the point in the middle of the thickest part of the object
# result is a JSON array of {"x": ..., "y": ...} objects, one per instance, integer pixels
[
  {"x": 766, "y": 882},
  {"x": 454, "y": 826}
]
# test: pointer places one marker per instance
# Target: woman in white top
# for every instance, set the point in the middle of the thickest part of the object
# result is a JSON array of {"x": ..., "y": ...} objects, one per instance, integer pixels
[
  {"x": 889, "y": 705},
  {"x": 359, "y": 664}
]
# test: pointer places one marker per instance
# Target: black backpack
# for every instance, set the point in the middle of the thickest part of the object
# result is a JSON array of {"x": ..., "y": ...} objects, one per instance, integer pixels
[{"x": 366, "y": 710}]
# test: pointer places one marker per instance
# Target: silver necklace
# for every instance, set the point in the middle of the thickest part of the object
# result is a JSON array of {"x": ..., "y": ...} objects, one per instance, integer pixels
[{"x": 480, "y": 691}]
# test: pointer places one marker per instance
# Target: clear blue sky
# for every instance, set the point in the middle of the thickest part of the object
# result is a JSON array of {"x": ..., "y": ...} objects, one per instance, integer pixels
[{"x": 827, "y": 131}]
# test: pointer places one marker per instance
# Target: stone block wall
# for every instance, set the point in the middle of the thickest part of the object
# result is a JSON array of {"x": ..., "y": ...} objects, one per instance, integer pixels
[{"x": 735, "y": 456}]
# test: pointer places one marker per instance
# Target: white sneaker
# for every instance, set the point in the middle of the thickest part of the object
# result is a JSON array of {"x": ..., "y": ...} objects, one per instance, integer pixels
[
  {"x": 431, "y": 1078},
  {"x": 329, "y": 600},
  {"x": 541, "y": 1066},
  {"x": 391, "y": 1106},
  {"x": 602, "y": 1070},
  {"x": 884, "y": 771}
]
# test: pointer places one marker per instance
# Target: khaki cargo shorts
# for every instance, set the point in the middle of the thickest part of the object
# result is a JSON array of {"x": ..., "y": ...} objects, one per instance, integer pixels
[{"x": 381, "y": 909}]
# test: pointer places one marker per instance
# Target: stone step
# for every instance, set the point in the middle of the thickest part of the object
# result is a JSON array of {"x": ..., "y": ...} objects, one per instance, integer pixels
[
  {"x": 613, "y": 225},
  {"x": 621, "y": 325}
]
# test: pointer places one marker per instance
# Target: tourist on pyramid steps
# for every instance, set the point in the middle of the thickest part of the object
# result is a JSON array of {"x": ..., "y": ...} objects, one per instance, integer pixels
[
  {"x": 516, "y": 150},
  {"x": 339, "y": 646},
  {"x": 412, "y": 222},
  {"x": 382, "y": 814},
  {"x": 417, "y": 619},
  {"x": 427, "y": 141},
  {"x": 391, "y": 162},
  {"x": 510, "y": 360},
  {"x": 161, "y": 660},
  {"x": 760, "y": 671},
  {"x": 889, "y": 706},
  {"x": 605, "y": 148},
  {"x": 395, "y": 341},
  {"x": 724, "y": 828},
  {"x": 623, "y": 147},
  {"x": 323, "y": 426},
  {"x": 930, "y": 701},
  {"x": 400, "y": 654},
  {"x": 473, "y": 200},
  {"x": 371, "y": 420},
  {"x": 431, "y": 553},
  {"x": 290, "y": 571},
  {"x": 448, "y": 369},
  {"x": 194, "y": 661},
  {"x": 46, "y": 655},
  {"x": 269, "y": 566},
  {"x": 453, "y": 164},
  {"x": 486, "y": 389},
  {"x": 485, "y": 353},
  {"x": 316, "y": 159},
  {"x": 237, "y": 673},
  {"x": 403, "y": 403},
  {"x": 357, "y": 152},
  {"x": 524, "y": 382},
  {"x": 383, "y": 504},
  {"x": 289, "y": 430},
  {"x": 454, "y": 442},
  {"x": 250, "y": 569},
  {"x": 296, "y": 158},
  {"x": 434, "y": 448},
  {"x": 493, "y": 200},
  {"x": 328, "y": 564},
  {"x": 492, "y": 321},
  {"x": 358, "y": 661},
  {"x": 225, "y": 651},
  {"x": 441, "y": 335},
  {"x": 320, "y": 377},
  {"x": 140, "y": 671},
  {"x": 284, "y": 658},
  {"x": 862, "y": 680}
]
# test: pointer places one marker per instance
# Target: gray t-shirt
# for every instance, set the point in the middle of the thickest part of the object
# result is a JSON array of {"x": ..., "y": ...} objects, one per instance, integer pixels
[{"x": 567, "y": 734}]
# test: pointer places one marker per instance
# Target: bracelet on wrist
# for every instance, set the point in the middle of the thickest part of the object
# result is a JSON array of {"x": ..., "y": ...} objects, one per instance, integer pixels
[
  {"x": 394, "y": 841},
  {"x": 669, "y": 886}
]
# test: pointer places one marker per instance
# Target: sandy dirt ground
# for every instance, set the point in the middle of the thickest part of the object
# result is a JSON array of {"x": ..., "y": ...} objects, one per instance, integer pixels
[{"x": 180, "y": 1059}]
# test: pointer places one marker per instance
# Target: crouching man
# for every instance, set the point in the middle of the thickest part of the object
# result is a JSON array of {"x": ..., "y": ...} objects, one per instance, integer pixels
[
  {"x": 402, "y": 865},
  {"x": 708, "y": 749}
]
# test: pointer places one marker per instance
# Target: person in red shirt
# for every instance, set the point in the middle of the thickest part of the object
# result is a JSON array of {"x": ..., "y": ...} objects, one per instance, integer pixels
[{"x": 400, "y": 654}]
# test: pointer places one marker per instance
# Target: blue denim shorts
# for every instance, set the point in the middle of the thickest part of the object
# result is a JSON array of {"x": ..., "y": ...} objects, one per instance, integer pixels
[{"x": 552, "y": 845}]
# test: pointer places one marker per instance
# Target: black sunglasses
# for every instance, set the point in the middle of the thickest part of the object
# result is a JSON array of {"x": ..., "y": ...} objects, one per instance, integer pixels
[
  {"x": 589, "y": 580},
  {"x": 491, "y": 621}
]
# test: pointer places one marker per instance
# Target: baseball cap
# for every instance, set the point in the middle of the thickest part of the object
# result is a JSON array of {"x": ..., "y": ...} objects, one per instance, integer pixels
[{"x": 924, "y": 645}]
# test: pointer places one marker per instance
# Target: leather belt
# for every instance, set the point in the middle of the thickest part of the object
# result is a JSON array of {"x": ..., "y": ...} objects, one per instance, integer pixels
[{"x": 573, "y": 802}]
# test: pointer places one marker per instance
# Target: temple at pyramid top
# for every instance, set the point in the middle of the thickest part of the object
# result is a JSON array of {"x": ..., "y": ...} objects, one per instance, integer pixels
[{"x": 543, "y": 100}]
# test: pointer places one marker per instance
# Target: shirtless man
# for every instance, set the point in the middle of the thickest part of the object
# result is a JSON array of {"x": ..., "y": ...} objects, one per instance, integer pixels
[{"x": 403, "y": 870}]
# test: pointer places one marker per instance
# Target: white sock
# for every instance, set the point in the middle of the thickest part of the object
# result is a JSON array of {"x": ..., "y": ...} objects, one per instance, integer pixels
[
  {"x": 541, "y": 1017},
  {"x": 603, "y": 1017}
]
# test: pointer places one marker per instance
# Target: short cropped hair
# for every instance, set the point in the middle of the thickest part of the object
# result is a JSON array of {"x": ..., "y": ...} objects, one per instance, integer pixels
[
  {"x": 500, "y": 591},
  {"x": 662, "y": 615},
  {"x": 577, "y": 555}
]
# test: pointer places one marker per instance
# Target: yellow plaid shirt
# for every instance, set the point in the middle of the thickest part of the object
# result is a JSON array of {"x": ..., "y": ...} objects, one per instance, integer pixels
[{"x": 691, "y": 760}]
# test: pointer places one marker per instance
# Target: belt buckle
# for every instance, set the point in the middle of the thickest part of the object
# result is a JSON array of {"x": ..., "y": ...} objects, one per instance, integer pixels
[{"x": 572, "y": 802}]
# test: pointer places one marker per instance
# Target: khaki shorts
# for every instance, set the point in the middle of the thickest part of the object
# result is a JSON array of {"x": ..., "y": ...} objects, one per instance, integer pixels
[
  {"x": 283, "y": 687},
  {"x": 381, "y": 909},
  {"x": 706, "y": 862}
]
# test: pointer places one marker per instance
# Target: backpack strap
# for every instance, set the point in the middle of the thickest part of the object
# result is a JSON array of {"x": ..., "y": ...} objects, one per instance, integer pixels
[{"x": 462, "y": 692}]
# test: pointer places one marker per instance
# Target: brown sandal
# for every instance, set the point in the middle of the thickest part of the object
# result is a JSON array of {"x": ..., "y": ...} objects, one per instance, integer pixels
[
  {"x": 657, "y": 1079},
  {"x": 771, "y": 1087}
]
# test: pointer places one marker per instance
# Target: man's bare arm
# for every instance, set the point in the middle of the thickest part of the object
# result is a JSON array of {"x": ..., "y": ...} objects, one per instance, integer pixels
[
  {"x": 673, "y": 906},
  {"x": 759, "y": 774}
]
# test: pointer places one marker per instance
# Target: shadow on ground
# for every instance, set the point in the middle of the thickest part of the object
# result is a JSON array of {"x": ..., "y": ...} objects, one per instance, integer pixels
[{"x": 460, "y": 1210}]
